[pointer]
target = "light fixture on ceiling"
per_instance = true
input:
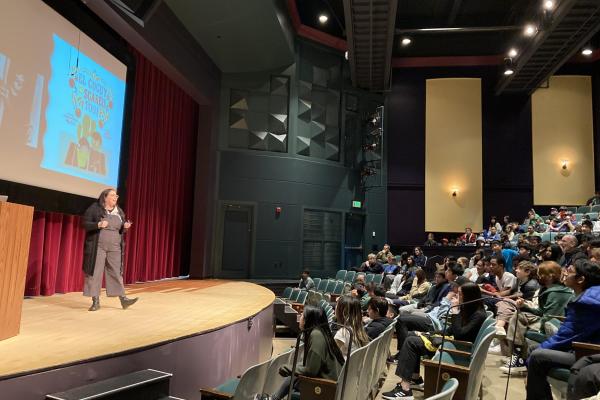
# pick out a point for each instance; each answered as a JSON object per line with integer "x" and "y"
{"x": 512, "y": 53}
{"x": 508, "y": 66}
{"x": 346, "y": 55}
{"x": 323, "y": 18}
{"x": 587, "y": 50}
{"x": 548, "y": 5}
{"x": 530, "y": 30}
{"x": 406, "y": 41}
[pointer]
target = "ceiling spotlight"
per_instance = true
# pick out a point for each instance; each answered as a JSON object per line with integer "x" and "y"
{"x": 406, "y": 41}
{"x": 508, "y": 67}
{"x": 346, "y": 55}
{"x": 512, "y": 53}
{"x": 587, "y": 51}
{"x": 323, "y": 18}
{"x": 548, "y": 5}
{"x": 530, "y": 30}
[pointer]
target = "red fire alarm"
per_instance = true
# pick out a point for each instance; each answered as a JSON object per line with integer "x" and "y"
{"x": 277, "y": 211}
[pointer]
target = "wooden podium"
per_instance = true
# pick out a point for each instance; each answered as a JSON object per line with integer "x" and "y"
{"x": 15, "y": 234}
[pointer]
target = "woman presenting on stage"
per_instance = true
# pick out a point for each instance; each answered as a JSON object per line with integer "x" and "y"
{"x": 105, "y": 224}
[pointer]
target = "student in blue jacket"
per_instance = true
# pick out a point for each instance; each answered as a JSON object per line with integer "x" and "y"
{"x": 581, "y": 324}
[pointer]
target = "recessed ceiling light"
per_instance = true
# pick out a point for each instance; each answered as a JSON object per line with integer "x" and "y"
{"x": 587, "y": 51}
{"x": 323, "y": 18}
{"x": 406, "y": 41}
{"x": 508, "y": 66}
{"x": 548, "y": 5}
{"x": 509, "y": 71}
{"x": 512, "y": 53}
{"x": 530, "y": 30}
{"x": 346, "y": 55}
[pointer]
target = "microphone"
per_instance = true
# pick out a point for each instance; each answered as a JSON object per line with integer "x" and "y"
{"x": 304, "y": 331}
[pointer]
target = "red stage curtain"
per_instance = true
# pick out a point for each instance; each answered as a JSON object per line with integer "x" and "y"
{"x": 160, "y": 188}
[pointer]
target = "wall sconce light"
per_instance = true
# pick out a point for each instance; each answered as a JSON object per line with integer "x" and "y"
{"x": 454, "y": 192}
{"x": 565, "y": 164}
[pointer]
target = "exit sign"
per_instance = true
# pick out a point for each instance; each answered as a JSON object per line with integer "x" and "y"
{"x": 356, "y": 204}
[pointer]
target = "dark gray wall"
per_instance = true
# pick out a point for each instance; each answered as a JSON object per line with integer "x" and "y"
{"x": 295, "y": 182}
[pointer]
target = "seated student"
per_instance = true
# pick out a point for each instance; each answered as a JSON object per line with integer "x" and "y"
{"x": 484, "y": 275}
{"x": 548, "y": 301}
{"x": 322, "y": 357}
{"x": 584, "y": 381}
{"x": 581, "y": 324}
{"x": 390, "y": 270}
{"x": 428, "y": 322}
{"x": 468, "y": 237}
{"x": 507, "y": 254}
{"x": 491, "y": 235}
{"x": 402, "y": 281}
{"x": 306, "y": 281}
{"x": 465, "y": 326}
{"x": 505, "y": 281}
{"x": 383, "y": 255}
{"x": 371, "y": 265}
{"x": 377, "y": 310}
{"x": 348, "y": 313}
{"x": 548, "y": 252}
{"x": 527, "y": 287}
{"x": 373, "y": 290}
{"x": 419, "y": 288}
{"x": 430, "y": 240}
{"x": 419, "y": 257}
{"x": 432, "y": 299}
{"x": 454, "y": 273}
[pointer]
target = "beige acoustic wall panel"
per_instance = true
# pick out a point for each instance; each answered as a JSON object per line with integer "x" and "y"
{"x": 562, "y": 133}
{"x": 453, "y": 155}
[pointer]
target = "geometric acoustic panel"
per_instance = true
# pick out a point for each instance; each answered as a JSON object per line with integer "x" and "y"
{"x": 258, "y": 118}
{"x": 319, "y": 110}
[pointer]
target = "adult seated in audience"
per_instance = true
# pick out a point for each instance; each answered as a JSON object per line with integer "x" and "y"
{"x": 359, "y": 288}
{"x": 468, "y": 237}
{"x": 433, "y": 297}
{"x": 531, "y": 232}
{"x": 558, "y": 224}
{"x": 419, "y": 288}
{"x": 532, "y": 218}
{"x": 581, "y": 324}
{"x": 419, "y": 257}
{"x": 527, "y": 286}
{"x": 391, "y": 266}
{"x": 594, "y": 200}
{"x": 430, "y": 321}
{"x": 484, "y": 275}
{"x": 568, "y": 244}
{"x": 478, "y": 255}
{"x": 377, "y": 312}
{"x": 382, "y": 256}
{"x": 306, "y": 281}
{"x": 373, "y": 290}
{"x": 509, "y": 232}
{"x": 491, "y": 235}
{"x": 371, "y": 265}
{"x": 349, "y": 314}
{"x": 454, "y": 273}
{"x": 465, "y": 326}
{"x": 540, "y": 226}
{"x": 548, "y": 252}
{"x": 507, "y": 254}
{"x": 322, "y": 357}
{"x": 430, "y": 240}
{"x": 494, "y": 223}
{"x": 548, "y": 302}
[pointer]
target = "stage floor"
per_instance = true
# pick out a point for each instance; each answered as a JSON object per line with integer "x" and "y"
{"x": 58, "y": 330}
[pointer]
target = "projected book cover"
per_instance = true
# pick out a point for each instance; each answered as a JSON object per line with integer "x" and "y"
{"x": 83, "y": 117}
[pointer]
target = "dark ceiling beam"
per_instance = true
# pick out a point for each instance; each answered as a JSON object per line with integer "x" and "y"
{"x": 472, "y": 29}
{"x": 370, "y": 34}
{"x": 573, "y": 24}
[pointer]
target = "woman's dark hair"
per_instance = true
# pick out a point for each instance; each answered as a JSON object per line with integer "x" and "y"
{"x": 555, "y": 253}
{"x": 103, "y": 195}
{"x": 378, "y": 304}
{"x": 470, "y": 291}
{"x": 589, "y": 270}
{"x": 420, "y": 274}
{"x": 410, "y": 258}
{"x": 420, "y": 250}
{"x": 315, "y": 318}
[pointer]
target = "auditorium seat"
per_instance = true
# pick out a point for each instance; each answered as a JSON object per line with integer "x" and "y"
{"x": 322, "y": 285}
{"x": 558, "y": 378}
{"x": 466, "y": 367}
{"x": 584, "y": 209}
{"x": 287, "y": 292}
{"x": 447, "y": 392}
{"x": 295, "y": 293}
{"x": 572, "y": 209}
{"x": 273, "y": 380}
{"x": 341, "y": 275}
{"x": 369, "y": 278}
{"x": 316, "y": 282}
{"x": 350, "y": 276}
{"x": 596, "y": 208}
{"x": 377, "y": 279}
{"x": 251, "y": 382}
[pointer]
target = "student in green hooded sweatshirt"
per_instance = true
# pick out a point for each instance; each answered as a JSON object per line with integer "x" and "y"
{"x": 552, "y": 299}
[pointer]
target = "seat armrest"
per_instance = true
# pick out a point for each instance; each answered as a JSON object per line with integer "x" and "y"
{"x": 316, "y": 388}
{"x": 461, "y": 344}
{"x": 585, "y": 349}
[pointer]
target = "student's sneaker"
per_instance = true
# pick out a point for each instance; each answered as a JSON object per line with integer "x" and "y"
{"x": 516, "y": 365}
{"x": 398, "y": 394}
{"x": 500, "y": 332}
{"x": 417, "y": 384}
{"x": 393, "y": 359}
{"x": 495, "y": 348}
